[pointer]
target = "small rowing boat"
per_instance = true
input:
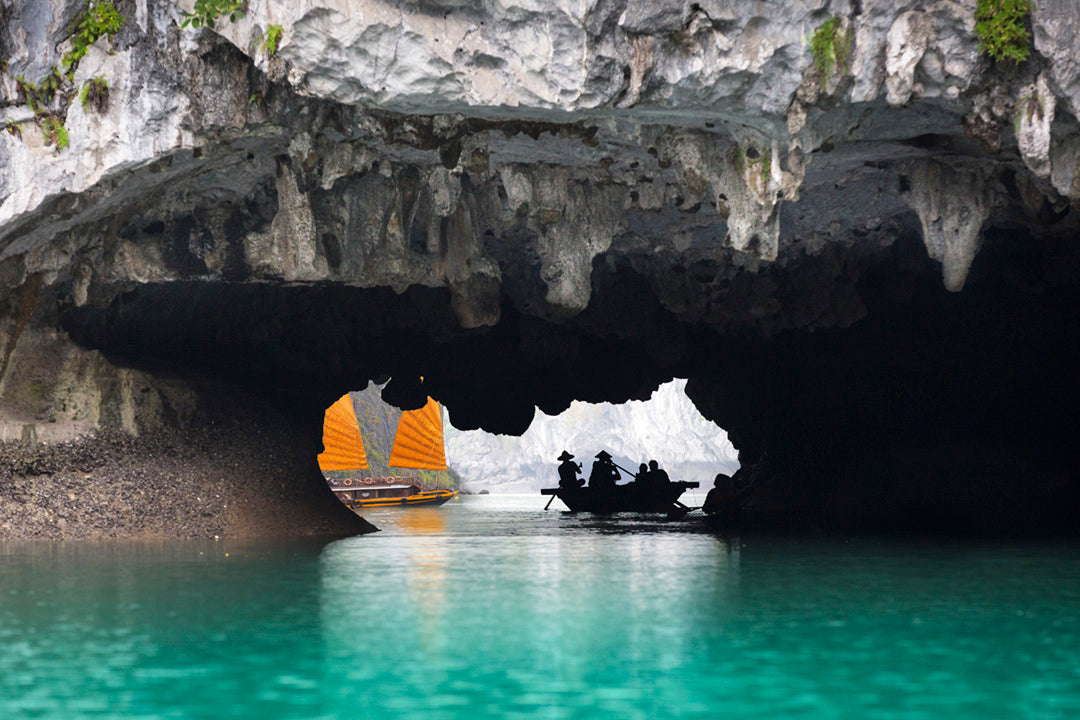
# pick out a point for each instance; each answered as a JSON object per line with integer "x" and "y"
{"x": 631, "y": 497}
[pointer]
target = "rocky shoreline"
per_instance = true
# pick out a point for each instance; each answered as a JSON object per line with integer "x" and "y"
{"x": 165, "y": 486}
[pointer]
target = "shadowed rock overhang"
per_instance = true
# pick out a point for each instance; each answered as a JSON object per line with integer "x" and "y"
{"x": 868, "y": 272}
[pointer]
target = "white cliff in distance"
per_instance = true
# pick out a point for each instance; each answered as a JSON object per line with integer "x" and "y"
{"x": 667, "y": 428}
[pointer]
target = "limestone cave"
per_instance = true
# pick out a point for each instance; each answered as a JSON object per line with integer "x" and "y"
{"x": 869, "y": 275}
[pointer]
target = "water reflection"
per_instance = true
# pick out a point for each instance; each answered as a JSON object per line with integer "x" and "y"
{"x": 567, "y": 619}
{"x": 499, "y": 610}
{"x": 186, "y": 629}
{"x": 576, "y": 616}
{"x": 410, "y": 521}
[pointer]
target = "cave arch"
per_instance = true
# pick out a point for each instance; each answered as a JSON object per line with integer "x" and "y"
{"x": 930, "y": 410}
{"x": 232, "y": 229}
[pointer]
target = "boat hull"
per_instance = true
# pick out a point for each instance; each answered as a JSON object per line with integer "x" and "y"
{"x": 426, "y": 497}
{"x": 622, "y": 498}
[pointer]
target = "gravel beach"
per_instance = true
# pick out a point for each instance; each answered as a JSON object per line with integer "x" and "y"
{"x": 224, "y": 478}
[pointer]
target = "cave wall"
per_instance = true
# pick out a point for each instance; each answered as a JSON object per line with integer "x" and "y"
{"x": 96, "y": 449}
{"x": 218, "y": 463}
{"x": 866, "y": 272}
{"x": 936, "y": 412}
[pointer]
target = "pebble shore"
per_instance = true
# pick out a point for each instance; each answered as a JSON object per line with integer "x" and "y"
{"x": 228, "y": 479}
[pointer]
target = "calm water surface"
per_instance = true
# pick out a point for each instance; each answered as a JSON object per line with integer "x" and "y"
{"x": 490, "y": 607}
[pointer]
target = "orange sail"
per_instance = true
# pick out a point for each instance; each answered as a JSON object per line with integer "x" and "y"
{"x": 343, "y": 446}
{"x": 419, "y": 439}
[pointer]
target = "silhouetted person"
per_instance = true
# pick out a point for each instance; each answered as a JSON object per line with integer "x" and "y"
{"x": 642, "y": 474}
{"x": 657, "y": 476}
{"x": 604, "y": 473}
{"x": 721, "y": 498}
{"x": 568, "y": 471}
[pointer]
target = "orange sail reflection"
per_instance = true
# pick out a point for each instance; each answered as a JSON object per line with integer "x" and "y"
{"x": 421, "y": 521}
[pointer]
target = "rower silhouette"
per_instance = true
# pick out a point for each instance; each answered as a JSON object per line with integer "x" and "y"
{"x": 721, "y": 499}
{"x": 568, "y": 471}
{"x": 603, "y": 475}
{"x": 655, "y": 477}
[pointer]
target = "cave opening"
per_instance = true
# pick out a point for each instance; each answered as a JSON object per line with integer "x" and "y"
{"x": 871, "y": 396}
{"x": 363, "y": 460}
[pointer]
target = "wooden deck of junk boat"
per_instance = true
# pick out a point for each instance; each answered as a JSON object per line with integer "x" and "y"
{"x": 401, "y": 491}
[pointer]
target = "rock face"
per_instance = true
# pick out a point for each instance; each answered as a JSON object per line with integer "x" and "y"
{"x": 234, "y": 468}
{"x": 864, "y": 265}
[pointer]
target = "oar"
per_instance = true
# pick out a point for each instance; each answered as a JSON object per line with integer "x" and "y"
{"x": 550, "y": 501}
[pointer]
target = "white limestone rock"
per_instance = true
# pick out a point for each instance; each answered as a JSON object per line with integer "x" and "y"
{"x": 1055, "y": 27}
{"x": 952, "y": 204}
{"x": 696, "y": 81}
{"x": 908, "y": 39}
{"x": 1034, "y": 118}
{"x": 689, "y": 447}
{"x": 1065, "y": 166}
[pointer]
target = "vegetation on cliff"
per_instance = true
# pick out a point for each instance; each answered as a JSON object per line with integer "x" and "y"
{"x": 1002, "y": 28}
{"x": 94, "y": 21}
{"x": 51, "y": 97}
{"x": 273, "y": 37}
{"x": 95, "y": 94}
{"x": 830, "y": 47}
{"x": 53, "y": 132}
{"x": 206, "y": 12}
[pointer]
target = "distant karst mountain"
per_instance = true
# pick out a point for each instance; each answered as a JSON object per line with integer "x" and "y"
{"x": 667, "y": 428}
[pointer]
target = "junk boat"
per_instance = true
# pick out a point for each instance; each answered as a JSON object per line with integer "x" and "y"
{"x": 630, "y": 497}
{"x": 418, "y": 444}
{"x": 408, "y": 492}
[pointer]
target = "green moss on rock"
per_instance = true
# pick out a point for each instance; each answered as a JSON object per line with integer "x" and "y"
{"x": 830, "y": 48}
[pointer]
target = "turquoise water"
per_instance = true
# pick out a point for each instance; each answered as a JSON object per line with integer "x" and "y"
{"x": 490, "y": 607}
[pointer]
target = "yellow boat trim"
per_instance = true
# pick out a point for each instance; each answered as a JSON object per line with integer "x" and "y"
{"x": 420, "y": 498}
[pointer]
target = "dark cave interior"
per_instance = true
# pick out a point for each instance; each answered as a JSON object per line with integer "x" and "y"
{"x": 935, "y": 411}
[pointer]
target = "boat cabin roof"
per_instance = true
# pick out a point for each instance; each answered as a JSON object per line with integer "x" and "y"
{"x": 371, "y": 487}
